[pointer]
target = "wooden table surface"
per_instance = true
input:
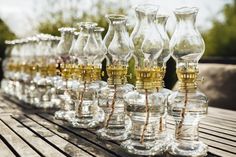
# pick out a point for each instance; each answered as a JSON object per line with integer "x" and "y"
{"x": 29, "y": 132}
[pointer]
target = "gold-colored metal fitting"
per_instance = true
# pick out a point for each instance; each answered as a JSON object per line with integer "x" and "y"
{"x": 10, "y": 66}
{"x": 145, "y": 78}
{"x": 27, "y": 68}
{"x": 52, "y": 70}
{"x": 96, "y": 73}
{"x": 66, "y": 70}
{"x": 17, "y": 67}
{"x": 116, "y": 74}
{"x": 43, "y": 70}
{"x": 159, "y": 76}
{"x": 85, "y": 73}
{"x": 188, "y": 78}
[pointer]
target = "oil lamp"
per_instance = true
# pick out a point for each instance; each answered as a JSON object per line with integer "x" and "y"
{"x": 160, "y": 69}
{"x": 120, "y": 47}
{"x": 88, "y": 56}
{"x": 187, "y": 105}
{"x": 64, "y": 73}
{"x": 145, "y": 104}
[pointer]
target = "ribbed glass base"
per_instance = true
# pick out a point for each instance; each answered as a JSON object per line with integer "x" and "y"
{"x": 185, "y": 148}
{"x": 113, "y": 134}
{"x": 147, "y": 148}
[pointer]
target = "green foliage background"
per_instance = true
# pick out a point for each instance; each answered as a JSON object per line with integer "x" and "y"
{"x": 221, "y": 38}
{"x": 5, "y": 34}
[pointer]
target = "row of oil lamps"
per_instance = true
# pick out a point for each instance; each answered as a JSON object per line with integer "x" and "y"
{"x": 65, "y": 73}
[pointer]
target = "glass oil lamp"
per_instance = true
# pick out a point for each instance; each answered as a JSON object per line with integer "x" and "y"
{"x": 19, "y": 73}
{"x": 32, "y": 70}
{"x": 145, "y": 104}
{"x": 49, "y": 100}
{"x": 116, "y": 123}
{"x": 64, "y": 73}
{"x": 87, "y": 112}
{"x": 52, "y": 71}
{"x": 41, "y": 98}
{"x": 8, "y": 67}
{"x": 6, "y": 83}
{"x": 187, "y": 105}
{"x": 18, "y": 68}
{"x": 160, "y": 69}
{"x": 25, "y": 73}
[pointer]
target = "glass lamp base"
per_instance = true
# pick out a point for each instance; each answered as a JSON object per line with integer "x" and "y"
{"x": 84, "y": 123}
{"x": 166, "y": 138}
{"x": 69, "y": 115}
{"x": 60, "y": 115}
{"x": 147, "y": 149}
{"x": 44, "y": 104}
{"x": 115, "y": 134}
{"x": 193, "y": 149}
{"x": 56, "y": 101}
{"x": 64, "y": 115}
{"x": 48, "y": 104}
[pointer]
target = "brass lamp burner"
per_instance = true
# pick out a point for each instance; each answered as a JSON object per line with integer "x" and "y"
{"x": 160, "y": 74}
{"x": 116, "y": 74}
{"x": 145, "y": 78}
{"x": 187, "y": 78}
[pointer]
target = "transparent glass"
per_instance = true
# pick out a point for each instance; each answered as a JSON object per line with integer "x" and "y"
{"x": 120, "y": 47}
{"x": 64, "y": 74}
{"x": 5, "y": 83}
{"x": 30, "y": 92}
{"x": 187, "y": 109}
{"x": 41, "y": 98}
{"x": 87, "y": 112}
{"x": 145, "y": 105}
{"x": 187, "y": 106}
{"x": 103, "y": 49}
{"x": 145, "y": 109}
{"x": 161, "y": 21}
{"x": 117, "y": 124}
{"x": 186, "y": 45}
{"x": 146, "y": 35}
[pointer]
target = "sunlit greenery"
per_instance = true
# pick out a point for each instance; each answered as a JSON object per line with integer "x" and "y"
{"x": 5, "y": 34}
{"x": 221, "y": 38}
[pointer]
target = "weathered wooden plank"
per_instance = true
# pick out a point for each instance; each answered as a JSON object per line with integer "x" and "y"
{"x": 216, "y": 129}
{"x": 211, "y": 138}
{"x": 222, "y": 123}
{"x": 220, "y": 111}
{"x": 211, "y": 132}
{"x": 222, "y": 118}
{"x": 203, "y": 122}
{"x": 93, "y": 149}
{"x": 4, "y": 150}
{"x": 219, "y": 119}
{"x": 214, "y": 147}
{"x": 219, "y": 152}
{"x": 45, "y": 148}
{"x": 19, "y": 145}
{"x": 109, "y": 146}
{"x": 59, "y": 142}
{"x": 220, "y": 146}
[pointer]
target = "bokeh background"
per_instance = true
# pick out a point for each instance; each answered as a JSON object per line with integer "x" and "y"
{"x": 216, "y": 21}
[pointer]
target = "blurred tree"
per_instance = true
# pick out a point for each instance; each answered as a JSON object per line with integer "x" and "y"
{"x": 70, "y": 15}
{"x": 5, "y": 34}
{"x": 221, "y": 38}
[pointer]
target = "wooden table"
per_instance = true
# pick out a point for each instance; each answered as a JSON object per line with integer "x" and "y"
{"x": 28, "y": 132}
